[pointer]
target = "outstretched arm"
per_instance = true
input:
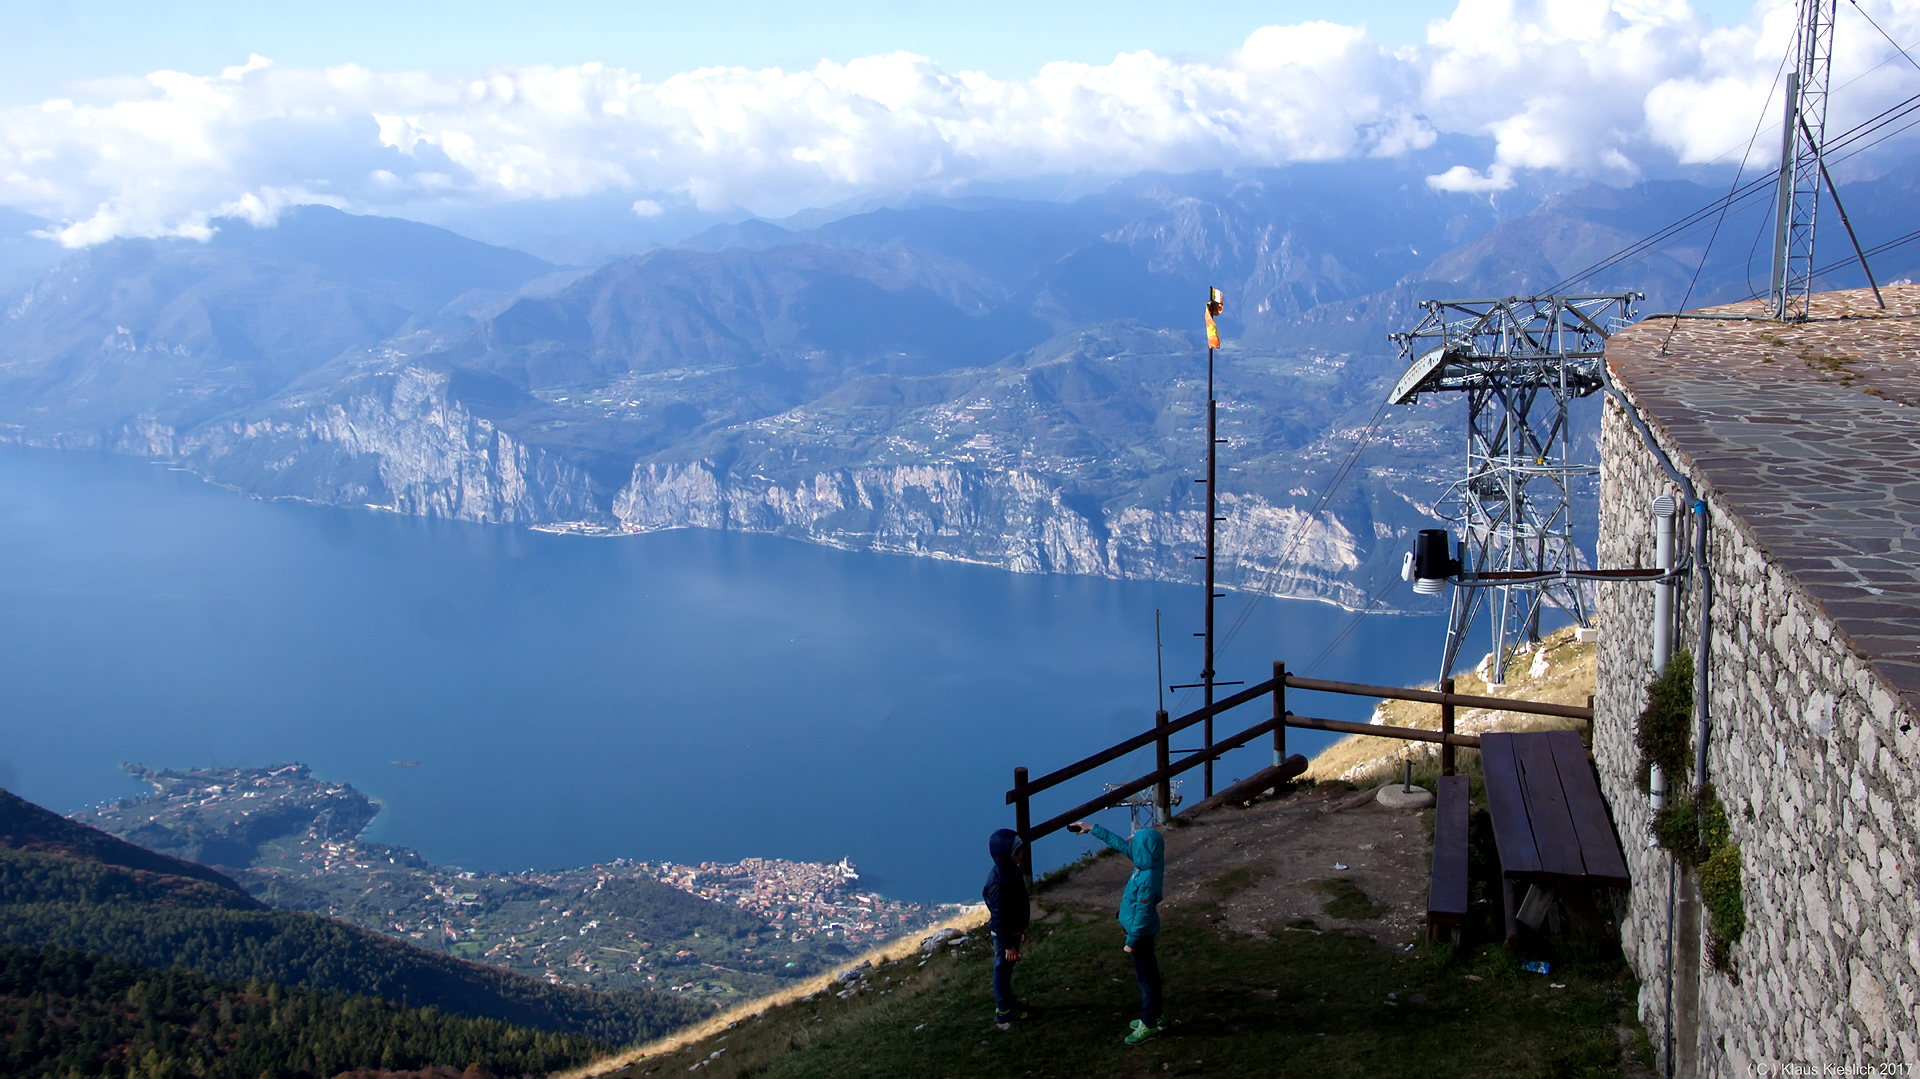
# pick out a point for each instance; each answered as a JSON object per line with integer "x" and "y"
{"x": 1102, "y": 835}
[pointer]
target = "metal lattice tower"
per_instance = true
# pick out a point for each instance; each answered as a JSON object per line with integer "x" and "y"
{"x": 1803, "y": 132}
{"x": 1520, "y": 361}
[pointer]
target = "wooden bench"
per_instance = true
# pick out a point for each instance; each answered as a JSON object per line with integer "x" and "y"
{"x": 1447, "y": 891}
{"x": 1549, "y": 821}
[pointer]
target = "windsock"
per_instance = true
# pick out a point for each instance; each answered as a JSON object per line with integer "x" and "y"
{"x": 1215, "y": 304}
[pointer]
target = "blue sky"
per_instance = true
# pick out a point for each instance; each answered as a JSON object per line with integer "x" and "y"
{"x": 52, "y": 45}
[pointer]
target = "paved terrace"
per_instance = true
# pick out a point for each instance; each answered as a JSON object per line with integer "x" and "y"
{"x": 1812, "y": 432}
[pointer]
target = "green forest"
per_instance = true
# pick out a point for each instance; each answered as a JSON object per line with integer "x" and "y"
{"x": 71, "y": 887}
{"x": 65, "y": 1013}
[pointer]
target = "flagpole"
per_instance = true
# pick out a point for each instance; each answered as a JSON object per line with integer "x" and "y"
{"x": 1214, "y": 307}
{"x": 1206, "y": 667}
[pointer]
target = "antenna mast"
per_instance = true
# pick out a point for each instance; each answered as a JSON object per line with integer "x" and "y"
{"x": 1803, "y": 132}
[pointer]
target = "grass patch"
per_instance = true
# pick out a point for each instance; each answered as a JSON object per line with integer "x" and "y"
{"x": 1347, "y": 902}
{"x": 1238, "y": 879}
{"x": 1324, "y": 1004}
{"x": 1056, "y": 875}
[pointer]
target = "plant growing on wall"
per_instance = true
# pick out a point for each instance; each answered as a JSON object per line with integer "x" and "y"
{"x": 1694, "y": 825}
{"x": 1666, "y": 723}
{"x": 1719, "y": 867}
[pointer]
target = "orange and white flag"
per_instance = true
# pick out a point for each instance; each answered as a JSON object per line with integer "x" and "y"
{"x": 1215, "y": 304}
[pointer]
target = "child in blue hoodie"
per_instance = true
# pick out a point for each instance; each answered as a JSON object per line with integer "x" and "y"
{"x": 1140, "y": 917}
{"x": 1007, "y": 914}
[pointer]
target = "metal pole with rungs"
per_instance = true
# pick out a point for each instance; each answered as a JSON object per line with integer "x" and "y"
{"x": 1162, "y": 759}
{"x": 1214, "y": 307}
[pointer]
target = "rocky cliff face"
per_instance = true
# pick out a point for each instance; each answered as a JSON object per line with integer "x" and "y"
{"x": 1015, "y": 520}
{"x": 388, "y": 441}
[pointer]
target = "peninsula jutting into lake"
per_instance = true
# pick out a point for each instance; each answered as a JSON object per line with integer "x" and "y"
{"x": 717, "y": 931}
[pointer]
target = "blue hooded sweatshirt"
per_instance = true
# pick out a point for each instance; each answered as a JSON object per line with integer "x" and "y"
{"x": 1006, "y": 890}
{"x": 1140, "y": 903}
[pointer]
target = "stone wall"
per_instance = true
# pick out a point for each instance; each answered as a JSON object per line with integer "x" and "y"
{"x": 1814, "y": 755}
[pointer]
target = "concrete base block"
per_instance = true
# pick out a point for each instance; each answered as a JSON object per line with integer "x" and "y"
{"x": 1393, "y": 796}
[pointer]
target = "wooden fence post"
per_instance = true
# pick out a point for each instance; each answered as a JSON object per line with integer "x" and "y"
{"x": 1279, "y": 712}
{"x": 1022, "y": 822}
{"x": 1446, "y": 729}
{"x": 1163, "y": 756}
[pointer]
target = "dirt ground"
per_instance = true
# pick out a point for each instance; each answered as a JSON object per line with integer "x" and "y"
{"x": 1266, "y": 869}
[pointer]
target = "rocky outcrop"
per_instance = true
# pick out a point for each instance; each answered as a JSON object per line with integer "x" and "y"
{"x": 1011, "y": 519}
{"x": 389, "y": 441}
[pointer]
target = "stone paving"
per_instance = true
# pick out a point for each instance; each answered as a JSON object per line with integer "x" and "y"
{"x": 1811, "y": 431}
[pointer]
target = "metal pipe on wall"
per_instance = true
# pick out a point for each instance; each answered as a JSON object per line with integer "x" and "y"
{"x": 1701, "y": 659}
{"x": 1663, "y": 512}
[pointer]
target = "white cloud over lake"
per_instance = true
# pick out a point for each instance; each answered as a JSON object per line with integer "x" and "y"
{"x": 1590, "y": 87}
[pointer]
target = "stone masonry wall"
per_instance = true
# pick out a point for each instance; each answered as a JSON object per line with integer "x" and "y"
{"x": 1815, "y": 757}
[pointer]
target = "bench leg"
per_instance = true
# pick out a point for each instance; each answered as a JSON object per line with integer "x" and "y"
{"x": 1512, "y": 912}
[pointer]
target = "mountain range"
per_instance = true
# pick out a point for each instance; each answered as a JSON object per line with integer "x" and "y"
{"x": 1012, "y": 382}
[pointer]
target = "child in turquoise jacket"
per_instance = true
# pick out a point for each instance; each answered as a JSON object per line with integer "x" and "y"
{"x": 1140, "y": 917}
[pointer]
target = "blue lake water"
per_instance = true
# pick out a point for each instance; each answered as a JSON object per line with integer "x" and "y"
{"x": 684, "y": 696}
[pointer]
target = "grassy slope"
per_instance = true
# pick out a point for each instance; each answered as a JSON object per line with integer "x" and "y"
{"x": 1565, "y": 677}
{"x": 1301, "y": 1001}
{"x": 1316, "y": 1002}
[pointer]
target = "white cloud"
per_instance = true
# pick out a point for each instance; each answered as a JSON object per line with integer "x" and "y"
{"x": 1591, "y": 87}
{"x": 1464, "y": 180}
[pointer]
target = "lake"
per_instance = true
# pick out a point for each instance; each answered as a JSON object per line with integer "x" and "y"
{"x": 682, "y": 696}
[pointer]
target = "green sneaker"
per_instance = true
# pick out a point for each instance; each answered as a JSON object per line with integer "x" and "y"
{"x": 1142, "y": 1032}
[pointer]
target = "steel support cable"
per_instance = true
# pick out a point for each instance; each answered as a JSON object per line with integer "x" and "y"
{"x": 1687, "y": 223}
{"x": 1693, "y": 220}
{"x": 1903, "y": 128}
{"x": 1705, "y": 253}
{"x": 1877, "y": 249}
{"x": 1898, "y": 112}
{"x": 1352, "y": 624}
{"x": 1884, "y": 34}
{"x": 1671, "y": 231}
{"x": 1300, "y": 530}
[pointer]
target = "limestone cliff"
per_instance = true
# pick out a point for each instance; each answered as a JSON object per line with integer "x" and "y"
{"x": 390, "y": 440}
{"x": 1013, "y": 519}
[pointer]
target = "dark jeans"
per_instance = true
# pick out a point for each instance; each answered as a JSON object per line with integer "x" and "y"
{"x": 1146, "y": 971}
{"x": 1003, "y": 998}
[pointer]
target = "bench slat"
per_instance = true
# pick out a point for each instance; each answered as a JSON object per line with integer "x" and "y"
{"x": 1599, "y": 846}
{"x": 1553, "y": 833}
{"x": 1507, "y": 805}
{"x": 1447, "y": 892}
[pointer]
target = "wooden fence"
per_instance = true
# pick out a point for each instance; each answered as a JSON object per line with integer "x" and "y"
{"x": 1161, "y": 777}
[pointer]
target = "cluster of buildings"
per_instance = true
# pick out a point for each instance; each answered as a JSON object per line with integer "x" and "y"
{"x": 801, "y": 899}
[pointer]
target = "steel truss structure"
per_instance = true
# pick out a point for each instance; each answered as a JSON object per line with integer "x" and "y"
{"x": 1803, "y": 133}
{"x": 1520, "y": 361}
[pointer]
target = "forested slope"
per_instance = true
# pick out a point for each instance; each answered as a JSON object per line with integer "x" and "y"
{"x": 51, "y": 895}
{"x": 65, "y": 1013}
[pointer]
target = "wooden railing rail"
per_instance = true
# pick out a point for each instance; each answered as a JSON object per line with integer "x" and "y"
{"x": 1127, "y": 790}
{"x": 1163, "y": 729}
{"x": 1459, "y": 700}
{"x": 1141, "y": 741}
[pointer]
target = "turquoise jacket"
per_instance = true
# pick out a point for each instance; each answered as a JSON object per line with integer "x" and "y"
{"x": 1140, "y": 903}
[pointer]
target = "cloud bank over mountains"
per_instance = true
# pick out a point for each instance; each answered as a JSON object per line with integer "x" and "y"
{"x": 1594, "y": 88}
